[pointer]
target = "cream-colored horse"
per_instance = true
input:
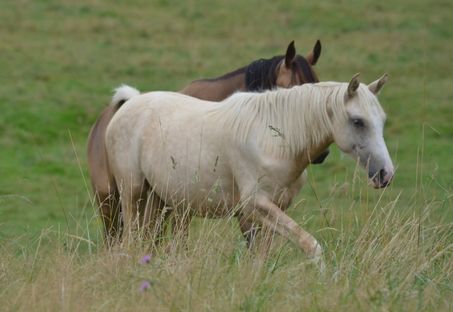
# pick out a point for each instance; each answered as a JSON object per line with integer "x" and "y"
{"x": 242, "y": 156}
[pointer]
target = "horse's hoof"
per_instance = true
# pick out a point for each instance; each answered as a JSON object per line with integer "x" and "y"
{"x": 317, "y": 258}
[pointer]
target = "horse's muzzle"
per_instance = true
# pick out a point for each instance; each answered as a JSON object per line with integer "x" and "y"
{"x": 382, "y": 178}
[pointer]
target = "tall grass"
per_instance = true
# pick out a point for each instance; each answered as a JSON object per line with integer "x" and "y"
{"x": 382, "y": 252}
{"x": 397, "y": 259}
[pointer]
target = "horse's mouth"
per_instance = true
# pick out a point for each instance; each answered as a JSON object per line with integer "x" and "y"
{"x": 379, "y": 185}
{"x": 381, "y": 179}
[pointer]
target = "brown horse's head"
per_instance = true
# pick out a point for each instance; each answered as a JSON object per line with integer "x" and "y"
{"x": 295, "y": 69}
{"x": 284, "y": 71}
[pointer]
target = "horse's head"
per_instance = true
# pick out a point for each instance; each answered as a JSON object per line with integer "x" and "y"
{"x": 295, "y": 69}
{"x": 284, "y": 71}
{"x": 359, "y": 132}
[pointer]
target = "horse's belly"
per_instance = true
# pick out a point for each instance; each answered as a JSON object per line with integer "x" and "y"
{"x": 188, "y": 168}
{"x": 207, "y": 191}
{"x": 200, "y": 199}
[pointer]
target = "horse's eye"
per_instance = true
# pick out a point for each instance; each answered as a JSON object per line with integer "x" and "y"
{"x": 358, "y": 123}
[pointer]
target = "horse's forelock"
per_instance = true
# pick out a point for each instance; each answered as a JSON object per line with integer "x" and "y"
{"x": 304, "y": 70}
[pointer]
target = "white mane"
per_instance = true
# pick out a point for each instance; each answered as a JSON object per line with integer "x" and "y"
{"x": 287, "y": 121}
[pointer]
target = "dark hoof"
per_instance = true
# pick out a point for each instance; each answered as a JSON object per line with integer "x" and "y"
{"x": 321, "y": 157}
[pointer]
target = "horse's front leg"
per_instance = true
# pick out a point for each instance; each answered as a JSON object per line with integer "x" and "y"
{"x": 270, "y": 215}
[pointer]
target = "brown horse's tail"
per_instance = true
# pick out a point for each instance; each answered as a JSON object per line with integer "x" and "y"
{"x": 122, "y": 94}
{"x": 103, "y": 182}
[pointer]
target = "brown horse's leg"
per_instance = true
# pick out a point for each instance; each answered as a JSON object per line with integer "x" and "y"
{"x": 102, "y": 181}
{"x": 110, "y": 213}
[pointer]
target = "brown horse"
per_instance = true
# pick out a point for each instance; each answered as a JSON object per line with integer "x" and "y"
{"x": 282, "y": 71}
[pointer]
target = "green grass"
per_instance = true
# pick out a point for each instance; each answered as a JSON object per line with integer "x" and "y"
{"x": 59, "y": 61}
{"x": 390, "y": 264}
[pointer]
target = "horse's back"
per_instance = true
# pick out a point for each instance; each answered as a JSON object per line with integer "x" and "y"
{"x": 151, "y": 120}
{"x": 151, "y": 106}
{"x": 211, "y": 90}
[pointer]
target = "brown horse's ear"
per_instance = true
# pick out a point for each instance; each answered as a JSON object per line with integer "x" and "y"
{"x": 313, "y": 56}
{"x": 353, "y": 86}
{"x": 290, "y": 54}
{"x": 377, "y": 85}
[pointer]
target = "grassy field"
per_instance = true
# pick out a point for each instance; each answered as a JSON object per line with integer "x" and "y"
{"x": 385, "y": 250}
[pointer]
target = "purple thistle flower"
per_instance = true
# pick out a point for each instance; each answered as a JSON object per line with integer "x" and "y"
{"x": 144, "y": 286}
{"x": 146, "y": 259}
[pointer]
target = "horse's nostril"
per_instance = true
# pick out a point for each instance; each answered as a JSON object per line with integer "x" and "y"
{"x": 380, "y": 178}
{"x": 382, "y": 174}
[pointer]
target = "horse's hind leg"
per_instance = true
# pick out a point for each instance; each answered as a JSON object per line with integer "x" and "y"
{"x": 258, "y": 239}
{"x": 109, "y": 206}
{"x": 154, "y": 215}
{"x": 142, "y": 211}
{"x": 249, "y": 230}
{"x": 133, "y": 202}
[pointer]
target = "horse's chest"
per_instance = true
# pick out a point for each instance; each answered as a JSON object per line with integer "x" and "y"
{"x": 281, "y": 180}
{"x": 281, "y": 172}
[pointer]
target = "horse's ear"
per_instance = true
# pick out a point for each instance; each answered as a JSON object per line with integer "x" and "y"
{"x": 377, "y": 85}
{"x": 353, "y": 86}
{"x": 290, "y": 54}
{"x": 313, "y": 56}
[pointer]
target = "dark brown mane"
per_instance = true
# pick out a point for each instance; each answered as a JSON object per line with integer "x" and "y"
{"x": 262, "y": 74}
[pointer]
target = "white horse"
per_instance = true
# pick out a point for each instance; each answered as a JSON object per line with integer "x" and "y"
{"x": 242, "y": 156}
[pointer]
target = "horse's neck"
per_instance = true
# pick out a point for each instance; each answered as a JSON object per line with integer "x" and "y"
{"x": 309, "y": 154}
{"x": 294, "y": 129}
{"x": 216, "y": 89}
{"x": 226, "y": 87}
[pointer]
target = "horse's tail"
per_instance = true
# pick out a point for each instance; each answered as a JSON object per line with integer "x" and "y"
{"x": 122, "y": 94}
{"x": 102, "y": 180}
